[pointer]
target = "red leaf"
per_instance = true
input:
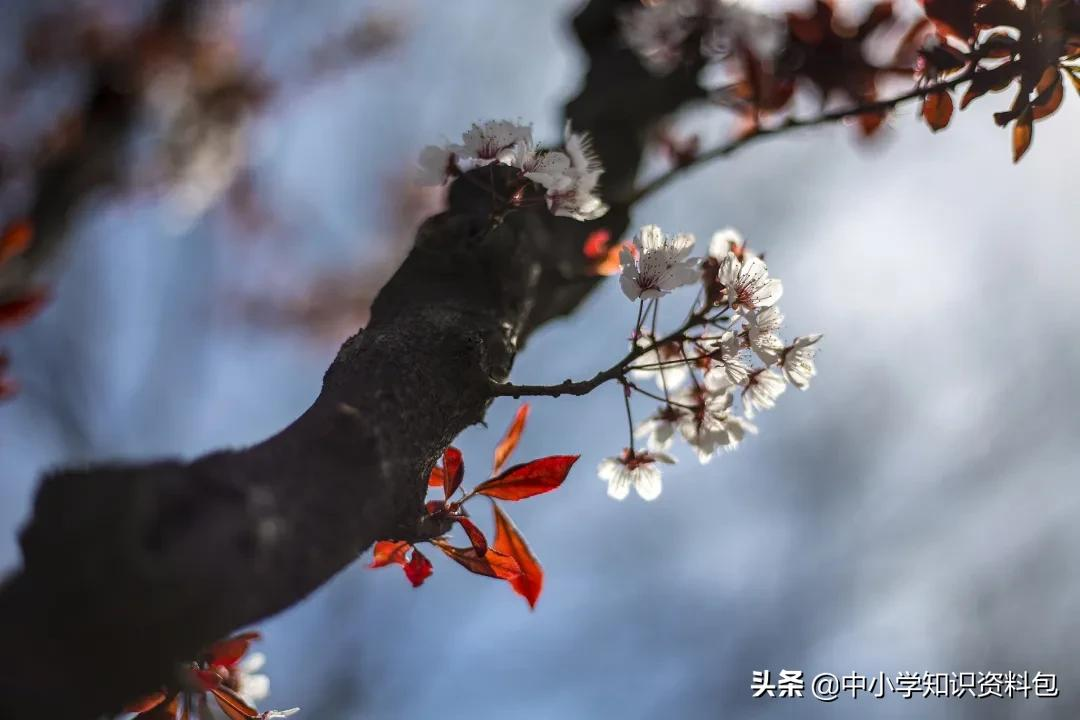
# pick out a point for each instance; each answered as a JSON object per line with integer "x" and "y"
{"x": 389, "y": 552}
{"x": 1022, "y": 134}
{"x": 1051, "y": 91}
{"x": 510, "y": 439}
{"x": 476, "y": 537}
{"x": 938, "y": 110}
{"x": 492, "y": 563}
{"x": 418, "y": 569}
{"x": 234, "y": 706}
{"x": 206, "y": 680}
{"x": 436, "y": 479}
{"x": 453, "y": 471}
{"x": 15, "y": 239}
{"x": 533, "y": 478}
{"x": 985, "y": 81}
{"x": 952, "y": 17}
{"x": 609, "y": 263}
{"x": 871, "y": 122}
{"x": 509, "y": 541}
{"x": 17, "y": 311}
{"x": 596, "y": 244}
{"x": 229, "y": 651}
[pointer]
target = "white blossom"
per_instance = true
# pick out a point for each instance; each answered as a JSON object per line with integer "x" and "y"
{"x": 660, "y": 428}
{"x": 574, "y": 196}
{"x": 708, "y": 424}
{"x": 761, "y": 391}
{"x": 797, "y": 362}
{"x": 658, "y": 31}
{"x": 728, "y": 240}
{"x": 761, "y": 333}
{"x": 747, "y": 283}
{"x": 664, "y": 363}
{"x": 570, "y": 177}
{"x": 251, "y": 685}
{"x": 495, "y": 141}
{"x": 633, "y": 469}
{"x": 574, "y": 192}
{"x": 729, "y": 364}
{"x": 658, "y": 264}
{"x": 578, "y": 146}
{"x": 546, "y": 167}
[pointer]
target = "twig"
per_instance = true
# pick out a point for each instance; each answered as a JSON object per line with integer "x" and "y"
{"x": 793, "y": 123}
{"x": 584, "y": 387}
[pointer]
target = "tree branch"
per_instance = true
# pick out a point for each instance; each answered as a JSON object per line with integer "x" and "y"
{"x": 794, "y": 123}
{"x": 615, "y": 372}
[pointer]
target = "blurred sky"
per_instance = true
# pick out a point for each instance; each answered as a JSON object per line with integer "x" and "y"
{"x": 914, "y": 510}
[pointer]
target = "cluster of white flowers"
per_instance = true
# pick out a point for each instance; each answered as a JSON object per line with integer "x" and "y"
{"x": 656, "y": 264}
{"x": 732, "y": 352}
{"x": 658, "y": 31}
{"x": 250, "y": 684}
{"x": 570, "y": 177}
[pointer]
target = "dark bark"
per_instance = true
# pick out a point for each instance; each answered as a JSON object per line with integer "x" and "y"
{"x": 129, "y": 569}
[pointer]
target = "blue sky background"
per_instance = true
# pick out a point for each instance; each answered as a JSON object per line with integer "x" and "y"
{"x": 914, "y": 510}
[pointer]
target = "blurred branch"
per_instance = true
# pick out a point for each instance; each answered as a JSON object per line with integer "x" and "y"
{"x": 130, "y": 569}
{"x": 794, "y": 123}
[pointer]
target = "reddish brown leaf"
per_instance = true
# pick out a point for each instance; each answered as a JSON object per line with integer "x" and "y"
{"x": 389, "y": 552}
{"x": 1051, "y": 91}
{"x": 15, "y": 239}
{"x": 532, "y": 478}
{"x": 509, "y": 541}
{"x": 998, "y": 45}
{"x": 476, "y": 537}
{"x": 985, "y": 81}
{"x": 1022, "y": 134}
{"x": 871, "y": 122}
{"x": 17, "y": 311}
{"x": 952, "y": 17}
{"x": 938, "y": 109}
{"x": 491, "y": 564}
{"x": 229, "y": 651}
{"x": 511, "y": 438}
{"x": 234, "y": 706}
{"x": 610, "y": 263}
{"x": 418, "y": 569}
{"x": 207, "y": 680}
{"x": 998, "y": 13}
{"x": 596, "y": 244}
{"x": 437, "y": 477}
{"x": 453, "y": 471}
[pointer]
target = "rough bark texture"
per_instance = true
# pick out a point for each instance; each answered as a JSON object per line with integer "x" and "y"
{"x": 129, "y": 569}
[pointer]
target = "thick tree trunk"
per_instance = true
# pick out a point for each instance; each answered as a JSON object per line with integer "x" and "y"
{"x": 129, "y": 569}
